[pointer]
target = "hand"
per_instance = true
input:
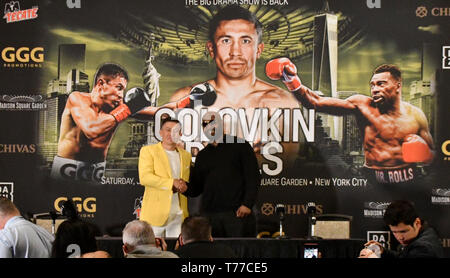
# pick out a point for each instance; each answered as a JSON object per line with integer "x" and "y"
{"x": 415, "y": 149}
{"x": 161, "y": 243}
{"x": 284, "y": 69}
{"x": 179, "y": 185}
{"x": 135, "y": 100}
{"x": 203, "y": 94}
{"x": 243, "y": 211}
{"x": 367, "y": 253}
{"x": 179, "y": 243}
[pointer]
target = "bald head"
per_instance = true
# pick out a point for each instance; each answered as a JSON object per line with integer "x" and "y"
{"x": 7, "y": 211}
{"x": 137, "y": 233}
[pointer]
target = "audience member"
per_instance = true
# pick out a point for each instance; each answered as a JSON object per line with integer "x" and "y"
{"x": 139, "y": 242}
{"x": 96, "y": 255}
{"x": 417, "y": 239}
{"x": 19, "y": 238}
{"x": 74, "y": 239}
{"x": 196, "y": 241}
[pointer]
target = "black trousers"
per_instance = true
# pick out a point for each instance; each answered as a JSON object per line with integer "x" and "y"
{"x": 226, "y": 224}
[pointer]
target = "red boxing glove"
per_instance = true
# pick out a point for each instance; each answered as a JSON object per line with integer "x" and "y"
{"x": 284, "y": 69}
{"x": 121, "y": 112}
{"x": 415, "y": 149}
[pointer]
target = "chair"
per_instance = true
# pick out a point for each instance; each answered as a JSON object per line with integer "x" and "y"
{"x": 332, "y": 226}
{"x": 45, "y": 220}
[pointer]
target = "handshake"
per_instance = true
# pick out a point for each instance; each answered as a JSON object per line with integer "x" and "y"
{"x": 179, "y": 185}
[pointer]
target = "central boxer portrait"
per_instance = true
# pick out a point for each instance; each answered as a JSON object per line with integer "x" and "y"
{"x": 395, "y": 133}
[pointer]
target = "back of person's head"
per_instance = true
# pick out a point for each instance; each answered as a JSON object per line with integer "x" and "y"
{"x": 110, "y": 71}
{"x": 233, "y": 12}
{"x": 400, "y": 211}
{"x": 69, "y": 210}
{"x": 138, "y": 233}
{"x": 196, "y": 228}
{"x": 73, "y": 231}
{"x": 7, "y": 207}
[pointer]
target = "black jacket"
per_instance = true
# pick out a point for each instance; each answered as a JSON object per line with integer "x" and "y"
{"x": 227, "y": 175}
{"x": 426, "y": 245}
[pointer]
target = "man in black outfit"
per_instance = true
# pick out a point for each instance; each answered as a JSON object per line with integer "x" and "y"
{"x": 196, "y": 241}
{"x": 226, "y": 172}
{"x": 416, "y": 238}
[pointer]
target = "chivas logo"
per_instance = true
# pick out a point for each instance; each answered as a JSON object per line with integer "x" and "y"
{"x": 17, "y": 148}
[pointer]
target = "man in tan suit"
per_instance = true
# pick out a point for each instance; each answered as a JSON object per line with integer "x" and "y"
{"x": 164, "y": 170}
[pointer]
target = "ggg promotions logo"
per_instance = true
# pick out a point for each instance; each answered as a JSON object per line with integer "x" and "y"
{"x": 383, "y": 237}
{"x": 375, "y": 209}
{"x": 14, "y": 14}
{"x": 85, "y": 207}
{"x": 7, "y": 190}
{"x": 446, "y": 150}
{"x": 22, "y": 57}
{"x": 440, "y": 196}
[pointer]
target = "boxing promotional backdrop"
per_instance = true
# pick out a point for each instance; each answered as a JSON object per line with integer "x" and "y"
{"x": 53, "y": 48}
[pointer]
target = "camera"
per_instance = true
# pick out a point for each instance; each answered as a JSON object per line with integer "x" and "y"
{"x": 311, "y": 251}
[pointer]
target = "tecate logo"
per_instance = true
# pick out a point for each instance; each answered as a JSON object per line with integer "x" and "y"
{"x": 13, "y": 13}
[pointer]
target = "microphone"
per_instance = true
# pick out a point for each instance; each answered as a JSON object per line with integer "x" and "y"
{"x": 311, "y": 208}
{"x": 53, "y": 216}
{"x": 280, "y": 210}
{"x": 311, "y": 211}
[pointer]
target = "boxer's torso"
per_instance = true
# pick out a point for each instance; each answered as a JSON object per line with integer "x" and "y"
{"x": 384, "y": 133}
{"x": 73, "y": 143}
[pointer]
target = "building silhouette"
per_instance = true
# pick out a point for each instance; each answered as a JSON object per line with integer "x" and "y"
{"x": 71, "y": 64}
{"x": 325, "y": 55}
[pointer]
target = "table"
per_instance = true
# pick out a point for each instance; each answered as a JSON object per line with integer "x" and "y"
{"x": 261, "y": 247}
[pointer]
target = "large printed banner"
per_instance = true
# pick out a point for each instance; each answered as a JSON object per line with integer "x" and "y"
{"x": 347, "y": 135}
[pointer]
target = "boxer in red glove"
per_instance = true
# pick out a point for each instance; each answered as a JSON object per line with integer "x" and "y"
{"x": 88, "y": 123}
{"x": 395, "y": 133}
{"x": 235, "y": 44}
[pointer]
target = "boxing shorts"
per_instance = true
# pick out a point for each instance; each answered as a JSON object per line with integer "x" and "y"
{"x": 64, "y": 168}
{"x": 404, "y": 175}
